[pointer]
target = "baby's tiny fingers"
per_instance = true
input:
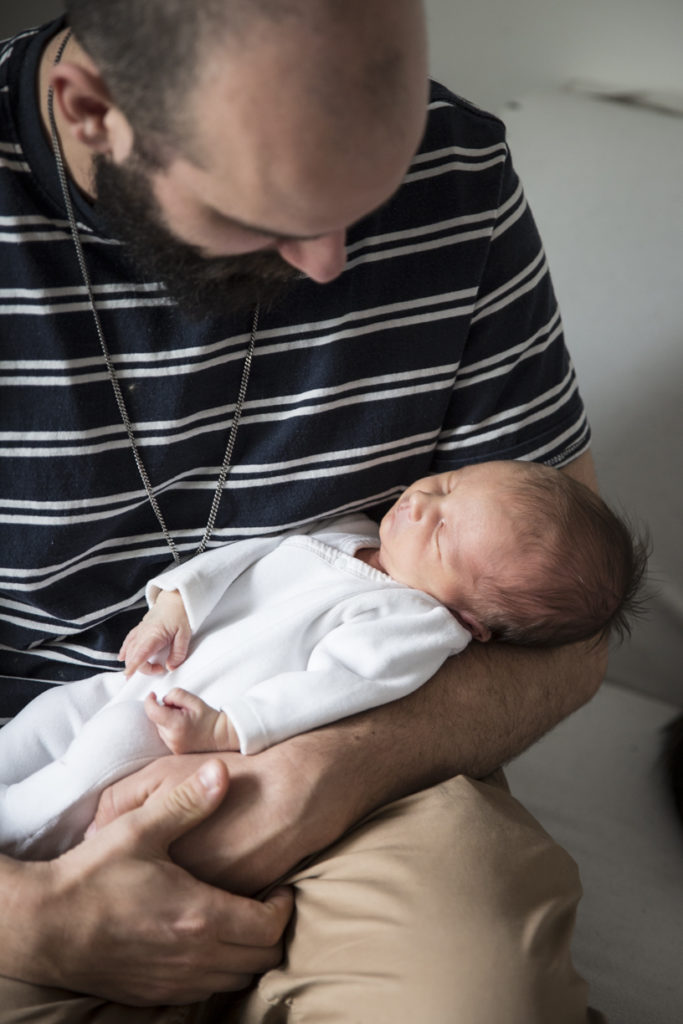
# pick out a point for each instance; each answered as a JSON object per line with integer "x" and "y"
{"x": 169, "y": 721}
{"x": 150, "y": 668}
{"x": 128, "y": 641}
{"x": 136, "y": 661}
{"x": 156, "y": 712}
{"x": 179, "y": 648}
{"x": 179, "y": 698}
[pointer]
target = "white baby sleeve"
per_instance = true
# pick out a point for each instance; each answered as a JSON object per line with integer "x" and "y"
{"x": 204, "y": 579}
{"x": 383, "y": 652}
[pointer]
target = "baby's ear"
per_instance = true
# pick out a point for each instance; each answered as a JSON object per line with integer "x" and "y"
{"x": 479, "y": 631}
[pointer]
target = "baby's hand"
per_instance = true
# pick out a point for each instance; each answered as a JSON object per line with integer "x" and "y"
{"x": 188, "y": 725}
{"x": 164, "y": 626}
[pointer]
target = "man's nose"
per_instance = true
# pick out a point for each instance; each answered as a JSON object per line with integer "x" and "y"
{"x": 322, "y": 259}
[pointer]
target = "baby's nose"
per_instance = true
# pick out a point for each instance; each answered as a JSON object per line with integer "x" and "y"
{"x": 417, "y": 505}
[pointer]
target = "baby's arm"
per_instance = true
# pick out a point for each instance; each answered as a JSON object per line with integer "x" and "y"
{"x": 164, "y": 626}
{"x": 187, "y": 725}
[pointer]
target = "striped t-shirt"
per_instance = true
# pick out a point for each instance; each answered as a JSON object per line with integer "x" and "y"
{"x": 439, "y": 345}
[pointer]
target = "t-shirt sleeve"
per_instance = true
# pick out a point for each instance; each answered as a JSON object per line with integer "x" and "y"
{"x": 515, "y": 394}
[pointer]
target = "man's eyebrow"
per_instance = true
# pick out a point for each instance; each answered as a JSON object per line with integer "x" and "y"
{"x": 257, "y": 229}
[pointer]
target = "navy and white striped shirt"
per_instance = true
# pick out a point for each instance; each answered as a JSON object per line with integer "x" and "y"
{"x": 440, "y": 345}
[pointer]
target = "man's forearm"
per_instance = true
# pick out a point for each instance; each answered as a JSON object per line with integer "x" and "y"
{"x": 483, "y": 708}
{"x": 487, "y": 705}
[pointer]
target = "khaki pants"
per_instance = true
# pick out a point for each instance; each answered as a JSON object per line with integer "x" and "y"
{"x": 448, "y": 907}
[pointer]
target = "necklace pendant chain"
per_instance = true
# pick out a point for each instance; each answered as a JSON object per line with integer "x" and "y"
{"x": 111, "y": 370}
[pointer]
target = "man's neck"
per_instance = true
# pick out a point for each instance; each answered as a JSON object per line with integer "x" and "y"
{"x": 77, "y": 157}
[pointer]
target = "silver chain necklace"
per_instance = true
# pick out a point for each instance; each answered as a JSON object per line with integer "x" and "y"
{"x": 246, "y": 369}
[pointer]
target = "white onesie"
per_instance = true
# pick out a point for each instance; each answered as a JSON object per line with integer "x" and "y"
{"x": 289, "y": 633}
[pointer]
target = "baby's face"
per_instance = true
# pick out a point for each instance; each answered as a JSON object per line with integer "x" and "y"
{"x": 446, "y": 531}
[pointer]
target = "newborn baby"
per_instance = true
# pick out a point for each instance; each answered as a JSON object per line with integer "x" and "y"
{"x": 271, "y": 636}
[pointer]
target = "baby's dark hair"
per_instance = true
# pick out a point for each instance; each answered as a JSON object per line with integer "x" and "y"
{"x": 581, "y": 565}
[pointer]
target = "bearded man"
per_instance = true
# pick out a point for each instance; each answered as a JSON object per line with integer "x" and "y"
{"x": 258, "y": 273}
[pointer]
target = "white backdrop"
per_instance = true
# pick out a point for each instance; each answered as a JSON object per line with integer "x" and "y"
{"x": 494, "y": 50}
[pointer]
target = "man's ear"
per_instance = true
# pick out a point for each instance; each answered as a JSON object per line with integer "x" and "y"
{"x": 479, "y": 631}
{"x": 92, "y": 118}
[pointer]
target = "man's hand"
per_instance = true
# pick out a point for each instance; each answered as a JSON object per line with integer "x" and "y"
{"x": 114, "y": 917}
{"x": 165, "y": 627}
{"x": 284, "y": 804}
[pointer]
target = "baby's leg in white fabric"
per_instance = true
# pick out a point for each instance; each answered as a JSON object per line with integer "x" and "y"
{"x": 48, "y": 812}
{"x": 46, "y": 727}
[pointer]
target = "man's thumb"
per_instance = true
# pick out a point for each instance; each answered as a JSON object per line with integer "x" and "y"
{"x": 167, "y": 816}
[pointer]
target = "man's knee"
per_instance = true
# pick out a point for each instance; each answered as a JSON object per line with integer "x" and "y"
{"x": 452, "y": 905}
{"x": 22, "y": 1003}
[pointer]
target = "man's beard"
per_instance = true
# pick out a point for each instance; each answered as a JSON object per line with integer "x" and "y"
{"x": 202, "y": 286}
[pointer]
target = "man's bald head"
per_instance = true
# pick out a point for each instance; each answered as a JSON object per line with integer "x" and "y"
{"x": 338, "y": 55}
{"x": 244, "y": 127}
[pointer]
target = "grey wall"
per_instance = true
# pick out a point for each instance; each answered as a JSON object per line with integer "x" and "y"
{"x": 495, "y": 50}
